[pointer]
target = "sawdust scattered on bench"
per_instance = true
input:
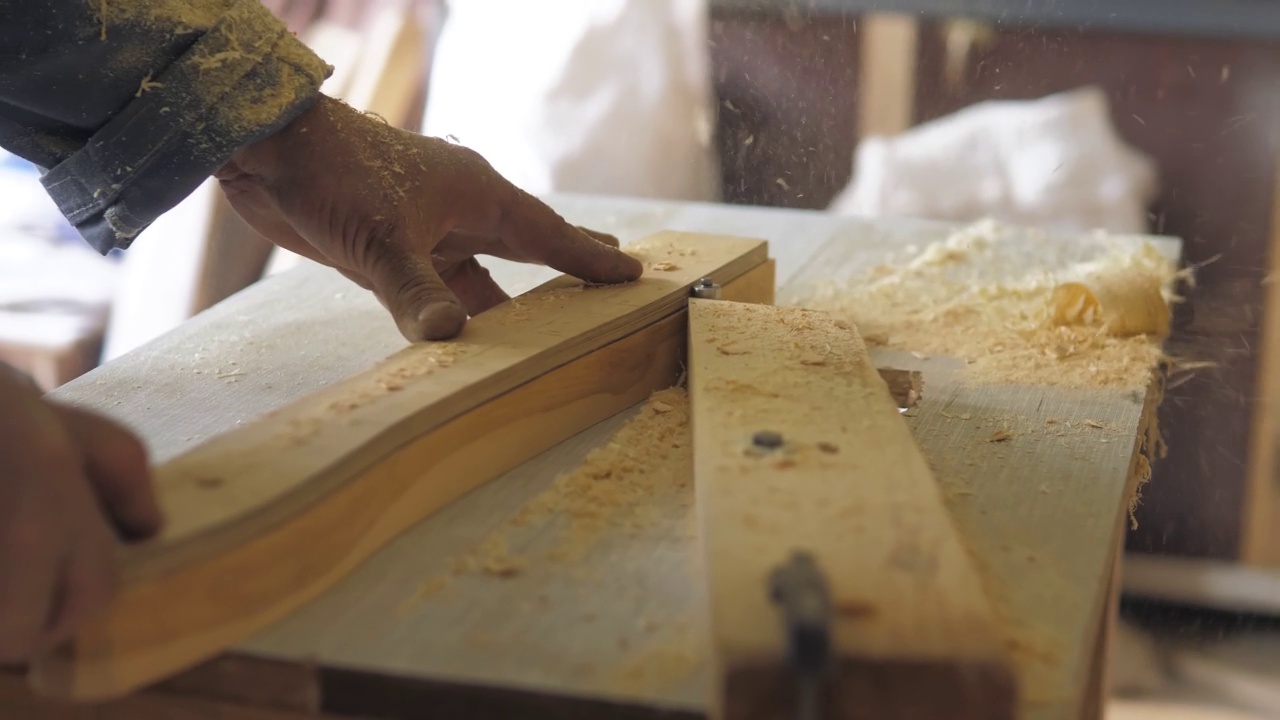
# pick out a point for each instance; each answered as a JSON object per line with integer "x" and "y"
{"x": 613, "y": 488}
{"x": 1096, "y": 319}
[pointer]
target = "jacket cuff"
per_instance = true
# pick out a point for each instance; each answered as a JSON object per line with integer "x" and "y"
{"x": 243, "y": 80}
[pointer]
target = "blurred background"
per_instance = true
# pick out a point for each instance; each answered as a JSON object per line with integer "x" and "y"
{"x": 1131, "y": 116}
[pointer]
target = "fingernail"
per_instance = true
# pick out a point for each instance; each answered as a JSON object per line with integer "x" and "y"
{"x": 441, "y": 321}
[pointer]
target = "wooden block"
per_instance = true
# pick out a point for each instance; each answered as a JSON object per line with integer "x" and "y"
{"x": 914, "y": 634}
{"x": 267, "y": 517}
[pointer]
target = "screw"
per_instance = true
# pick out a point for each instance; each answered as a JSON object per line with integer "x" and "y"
{"x": 767, "y": 439}
{"x": 707, "y": 289}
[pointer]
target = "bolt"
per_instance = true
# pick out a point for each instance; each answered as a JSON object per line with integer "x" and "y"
{"x": 767, "y": 439}
{"x": 707, "y": 289}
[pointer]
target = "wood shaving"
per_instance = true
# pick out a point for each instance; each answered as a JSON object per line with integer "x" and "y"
{"x": 1094, "y": 424}
{"x": 970, "y": 296}
{"x": 1000, "y": 436}
{"x": 491, "y": 557}
{"x": 664, "y": 266}
{"x": 428, "y": 589}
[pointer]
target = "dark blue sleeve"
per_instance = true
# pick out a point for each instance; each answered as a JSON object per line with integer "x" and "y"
{"x": 129, "y": 105}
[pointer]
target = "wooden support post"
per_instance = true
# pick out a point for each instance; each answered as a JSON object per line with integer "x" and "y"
{"x": 798, "y": 445}
{"x": 1260, "y": 529}
{"x": 887, "y": 78}
{"x": 265, "y": 518}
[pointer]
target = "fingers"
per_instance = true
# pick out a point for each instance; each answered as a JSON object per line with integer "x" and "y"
{"x": 416, "y": 296}
{"x": 29, "y": 566}
{"x": 475, "y": 287}
{"x": 116, "y": 463}
{"x": 86, "y": 585}
{"x": 603, "y": 237}
{"x": 539, "y": 233}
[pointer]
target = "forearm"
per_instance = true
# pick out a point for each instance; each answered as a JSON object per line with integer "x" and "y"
{"x": 129, "y": 106}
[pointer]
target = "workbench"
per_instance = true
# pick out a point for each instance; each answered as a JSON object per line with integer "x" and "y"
{"x": 614, "y": 631}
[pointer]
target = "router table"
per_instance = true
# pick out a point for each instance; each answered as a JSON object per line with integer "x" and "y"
{"x": 615, "y": 633}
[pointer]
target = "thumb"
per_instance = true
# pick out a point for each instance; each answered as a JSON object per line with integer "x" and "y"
{"x": 411, "y": 289}
{"x": 116, "y": 462}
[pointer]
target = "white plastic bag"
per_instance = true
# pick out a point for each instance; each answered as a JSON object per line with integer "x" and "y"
{"x": 590, "y": 96}
{"x": 1055, "y": 162}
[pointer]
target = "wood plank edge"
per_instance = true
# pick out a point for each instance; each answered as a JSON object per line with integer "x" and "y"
{"x": 18, "y": 702}
{"x": 1147, "y": 447}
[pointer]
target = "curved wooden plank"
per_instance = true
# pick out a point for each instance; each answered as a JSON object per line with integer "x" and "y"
{"x": 265, "y": 518}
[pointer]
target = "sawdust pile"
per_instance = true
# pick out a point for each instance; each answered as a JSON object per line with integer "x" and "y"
{"x": 1096, "y": 318}
{"x": 614, "y": 487}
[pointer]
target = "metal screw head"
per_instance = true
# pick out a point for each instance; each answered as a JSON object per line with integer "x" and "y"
{"x": 767, "y": 439}
{"x": 706, "y": 288}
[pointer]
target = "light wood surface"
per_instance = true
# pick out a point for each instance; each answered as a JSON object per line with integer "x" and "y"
{"x": 1260, "y": 534}
{"x": 887, "y": 77}
{"x": 607, "y": 636}
{"x": 913, "y": 632}
{"x": 289, "y": 504}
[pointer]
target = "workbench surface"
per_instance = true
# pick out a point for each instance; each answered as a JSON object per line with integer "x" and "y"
{"x": 617, "y": 631}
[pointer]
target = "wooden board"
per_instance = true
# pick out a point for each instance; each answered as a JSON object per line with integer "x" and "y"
{"x": 290, "y": 504}
{"x": 608, "y": 635}
{"x": 914, "y": 634}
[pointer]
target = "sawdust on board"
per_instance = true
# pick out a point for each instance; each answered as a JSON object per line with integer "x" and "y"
{"x": 675, "y": 650}
{"x": 613, "y": 488}
{"x": 1104, "y": 330}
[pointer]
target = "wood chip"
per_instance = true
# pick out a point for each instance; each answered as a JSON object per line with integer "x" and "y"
{"x": 829, "y": 448}
{"x": 813, "y": 359}
{"x": 1000, "y": 436}
{"x": 1095, "y": 424}
{"x": 661, "y": 407}
{"x": 665, "y": 266}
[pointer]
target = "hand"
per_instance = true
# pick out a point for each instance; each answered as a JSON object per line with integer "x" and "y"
{"x": 405, "y": 215}
{"x": 69, "y": 482}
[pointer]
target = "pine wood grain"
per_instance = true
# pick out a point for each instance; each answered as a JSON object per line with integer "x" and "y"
{"x": 266, "y": 517}
{"x": 915, "y": 635}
